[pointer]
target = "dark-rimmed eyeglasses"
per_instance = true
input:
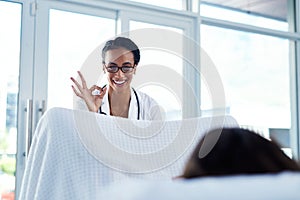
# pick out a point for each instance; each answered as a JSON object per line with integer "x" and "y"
{"x": 115, "y": 69}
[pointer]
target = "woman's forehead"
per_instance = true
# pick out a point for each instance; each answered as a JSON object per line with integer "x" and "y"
{"x": 119, "y": 55}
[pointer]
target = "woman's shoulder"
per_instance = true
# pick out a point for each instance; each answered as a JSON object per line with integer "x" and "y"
{"x": 150, "y": 109}
{"x": 145, "y": 97}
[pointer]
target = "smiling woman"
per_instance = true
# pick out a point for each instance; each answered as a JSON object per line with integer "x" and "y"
{"x": 120, "y": 58}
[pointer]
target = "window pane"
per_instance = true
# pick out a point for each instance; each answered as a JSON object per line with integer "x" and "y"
{"x": 242, "y": 14}
{"x": 255, "y": 73}
{"x": 72, "y": 37}
{"x": 10, "y": 24}
{"x": 153, "y": 56}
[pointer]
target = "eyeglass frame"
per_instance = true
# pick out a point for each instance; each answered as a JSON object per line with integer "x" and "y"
{"x": 119, "y": 68}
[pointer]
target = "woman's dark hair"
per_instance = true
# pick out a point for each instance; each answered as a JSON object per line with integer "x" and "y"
{"x": 237, "y": 151}
{"x": 122, "y": 42}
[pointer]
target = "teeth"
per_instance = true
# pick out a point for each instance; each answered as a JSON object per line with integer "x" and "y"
{"x": 119, "y": 82}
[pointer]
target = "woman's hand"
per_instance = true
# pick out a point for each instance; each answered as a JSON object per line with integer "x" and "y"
{"x": 93, "y": 100}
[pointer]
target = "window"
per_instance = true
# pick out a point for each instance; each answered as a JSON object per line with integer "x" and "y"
{"x": 10, "y": 23}
{"x": 254, "y": 69}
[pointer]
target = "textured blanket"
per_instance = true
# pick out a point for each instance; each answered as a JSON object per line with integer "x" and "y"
{"x": 74, "y": 154}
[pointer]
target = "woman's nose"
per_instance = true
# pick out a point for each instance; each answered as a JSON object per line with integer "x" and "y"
{"x": 119, "y": 73}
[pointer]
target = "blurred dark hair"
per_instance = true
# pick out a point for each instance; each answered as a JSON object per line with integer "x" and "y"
{"x": 238, "y": 151}
{"x": 122, "y": 42}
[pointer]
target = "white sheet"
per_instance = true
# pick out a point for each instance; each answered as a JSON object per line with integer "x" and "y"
{"x": 75, "y": 153}
{"x": 282, "y": 186}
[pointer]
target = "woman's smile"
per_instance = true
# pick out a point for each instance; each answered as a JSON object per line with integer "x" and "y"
{"x": 119, "y": 82}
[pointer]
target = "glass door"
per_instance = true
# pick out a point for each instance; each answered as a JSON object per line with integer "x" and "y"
{"x": 167, "y": 63}
{"x": 168, "y": 70}
{"x": 72, "y": 38}
{"x": 57, "y": 38}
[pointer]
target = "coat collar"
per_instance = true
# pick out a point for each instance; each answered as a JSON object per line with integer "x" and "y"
{"x": 133, "y": 106}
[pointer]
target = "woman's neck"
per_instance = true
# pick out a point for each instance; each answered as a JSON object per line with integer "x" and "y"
{"x": 119, "y": 102}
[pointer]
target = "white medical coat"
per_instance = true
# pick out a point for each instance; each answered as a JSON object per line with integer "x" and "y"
{"x": 149, "y": 108}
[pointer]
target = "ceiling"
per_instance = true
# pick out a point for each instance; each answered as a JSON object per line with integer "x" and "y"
{"x": 276, "y": 9}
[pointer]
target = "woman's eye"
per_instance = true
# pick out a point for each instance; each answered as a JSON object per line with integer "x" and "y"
{"x": 127, "y": 69}
{"x": 113, "y": 68}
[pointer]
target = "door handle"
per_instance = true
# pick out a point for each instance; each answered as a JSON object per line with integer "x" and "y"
{"x": 43, "y": 108}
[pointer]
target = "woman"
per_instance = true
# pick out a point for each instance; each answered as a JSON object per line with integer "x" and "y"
{"x": 237, "y": 151}
{"x": 120, "y": 58}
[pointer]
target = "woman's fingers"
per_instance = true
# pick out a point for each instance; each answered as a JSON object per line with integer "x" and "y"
{"x": 77, "y": 84}
{"x": 98, "y": 91}
{"x": 95, "y": 87}
{"x": 84, "y": 93}
{"x": 102, "y": 93}
{"x": 82, "y": 87}
{"x": 82, "y": 80}
{"x": 76, "y": 92}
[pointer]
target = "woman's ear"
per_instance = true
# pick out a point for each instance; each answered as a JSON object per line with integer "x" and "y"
{"x": 134, "y": 70}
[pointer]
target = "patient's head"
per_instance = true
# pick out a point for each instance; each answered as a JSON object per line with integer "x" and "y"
{"x": 237, "y": 151}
